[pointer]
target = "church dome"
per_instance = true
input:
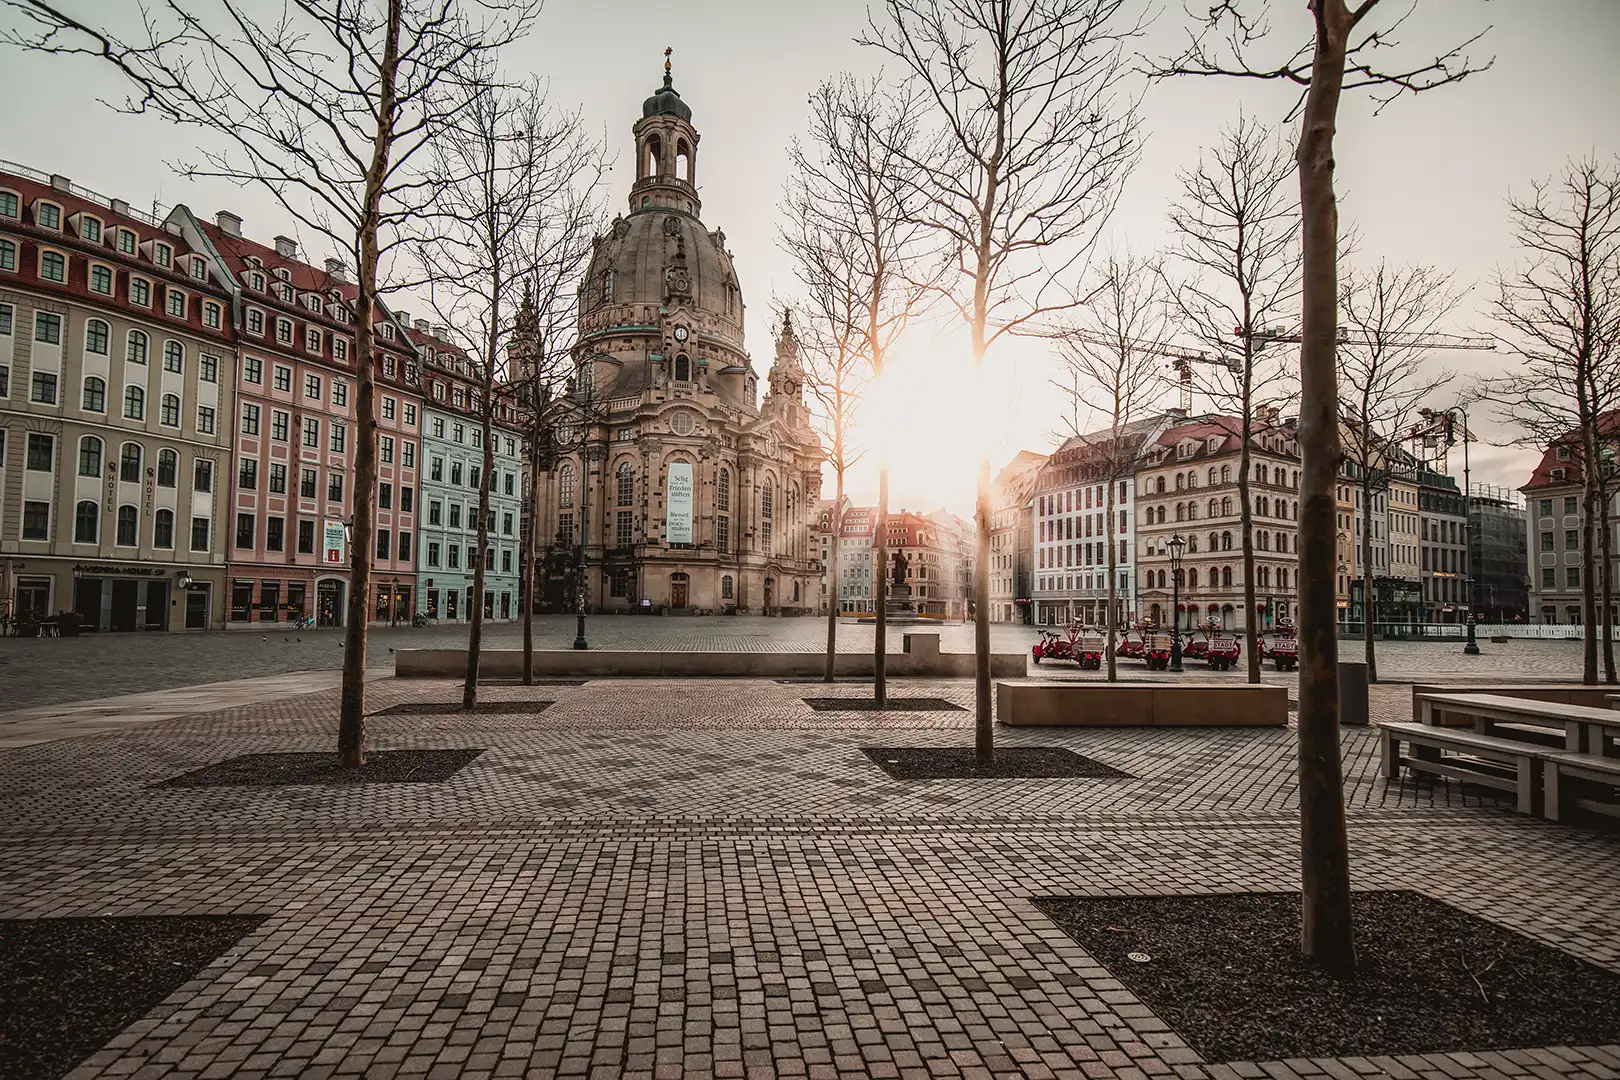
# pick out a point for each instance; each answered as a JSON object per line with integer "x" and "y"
{"x": 658, "y": 255}
{"x": 666, "y": 101}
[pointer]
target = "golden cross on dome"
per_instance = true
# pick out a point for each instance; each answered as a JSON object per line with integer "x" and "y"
{"x": 667, "y": 51}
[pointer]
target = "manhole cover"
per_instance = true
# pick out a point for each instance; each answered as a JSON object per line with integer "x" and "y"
{"x": 1138, "y": 957}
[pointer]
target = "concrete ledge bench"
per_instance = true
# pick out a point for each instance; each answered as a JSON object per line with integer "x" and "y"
{"x": 1565, "y": 778}
{"x": 1157, "y": 704}
{"x": 1503, "y": 764}
{"x": 1580, "y": 728}
{"x": 1563, "y": 693}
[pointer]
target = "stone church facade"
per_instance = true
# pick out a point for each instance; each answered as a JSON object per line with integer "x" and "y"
{"x": 663, "y": 378}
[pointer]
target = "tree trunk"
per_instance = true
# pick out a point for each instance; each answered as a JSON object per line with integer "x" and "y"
{"x": 1245, "y": 463}
{"x": 530, "y": 553}
{"x": 880, "y": 592}
{"x": 1327, "y": 935}
{"x": 475, "y": 633}
{"x": 1589, "y": 525}
{"x": 352, "y": 699}
{"x": 831, "y": 570}
{"x": 1369, "y": 599}
{"x": 984, "y": 732}
{"x": 1113, "y": 580}
{"x": 1605, "y": 551}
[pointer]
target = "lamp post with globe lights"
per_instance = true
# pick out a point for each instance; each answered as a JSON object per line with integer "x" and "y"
{"x": 1175, "y": 545}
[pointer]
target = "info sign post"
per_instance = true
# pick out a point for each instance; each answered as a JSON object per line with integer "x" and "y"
{"x": 332, "y": 543}
{"x": 678, "y": 504}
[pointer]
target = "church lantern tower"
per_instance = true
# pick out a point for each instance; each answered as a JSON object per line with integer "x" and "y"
{"x": 666, "y": 152}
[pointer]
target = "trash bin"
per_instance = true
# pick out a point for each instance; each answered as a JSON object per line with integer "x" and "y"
{"x": 1353, "y": 693}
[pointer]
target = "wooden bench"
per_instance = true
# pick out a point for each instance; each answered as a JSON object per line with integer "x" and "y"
{"x": 1585, "y": 729}
{"x": 1567, "y": 693}
{"x": 1522, "y": 770}
{"x": 1562, "y": 796}
{"x": 1124, "y": 704}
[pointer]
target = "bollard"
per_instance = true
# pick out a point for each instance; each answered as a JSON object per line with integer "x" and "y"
{"x": 1353, "y": 693}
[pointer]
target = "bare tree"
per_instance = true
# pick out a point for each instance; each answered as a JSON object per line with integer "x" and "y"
{"x": 1033, "y": 135}
{"x": 1237, "y": 257}
{"x": 1559, "y": 314}
{"x": 1389, "y": 318}
{"x": 1347, "y": 49}
{"x": 866, "y": 264}
{"x": 1113, "y": 358}
{"x": 325, "y": 106}
{"x": 507, "y": 170}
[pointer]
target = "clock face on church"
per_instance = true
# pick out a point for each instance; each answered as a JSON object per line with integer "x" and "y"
{"x": 680, "y": 331}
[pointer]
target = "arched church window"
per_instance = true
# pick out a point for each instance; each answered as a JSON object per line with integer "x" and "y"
{"x": 683, "y": 368}
{"x": 725, "y": 587}
{"x": 722, "y": 491}
{"x": 627, "y": 484}
{"x": 607, "y": 286}
{"x": 766, "y": 498}
{"x": 683, "y": 161}
{"x": 565, "y": 486}
{"x": 655, "y": 152}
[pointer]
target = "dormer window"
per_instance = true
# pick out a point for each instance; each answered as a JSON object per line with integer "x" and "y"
{"x": 211, "y": 316}
{"x": 52, "y": 266}
{"x": 313, "y": 302}
{"x": 176, "y": 302}
{"x": 1559, "y": 474}
{"x": 127, "y": 241}
{"x": 281, "y": 273}
{"x": 140, "y": 291}
{"x": 312, "y": 339}
{"x": 48, "y": 216}
{"x": 199, "y": 269}
{"x": 256, "y": 281}
{"x": 90, "y": 228}
{"x": 1563, "y": 453}
{"x": 9, "y": 205}
{"x": 340, "y": 350}
{"x": 255, "y": 321}
{"x": 283, "y": 291}
{"x": 388, "y": 364}
{"x": 284, "y": 331}
{"x": 101, "y": 280}
{"x": 1214, "y": 443}
{"x": 388, "y": 331}
{"x": 163, "y": 254}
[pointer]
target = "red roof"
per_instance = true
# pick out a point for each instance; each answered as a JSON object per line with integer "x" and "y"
{"x": 1570, "y": 444}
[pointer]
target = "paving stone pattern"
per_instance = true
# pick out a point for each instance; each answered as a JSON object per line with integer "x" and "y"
{"x": 648, "y": 880}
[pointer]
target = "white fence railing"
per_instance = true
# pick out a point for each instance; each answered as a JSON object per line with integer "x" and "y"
{"x": 1457, "y": 632}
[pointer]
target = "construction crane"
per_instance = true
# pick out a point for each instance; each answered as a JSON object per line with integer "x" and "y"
{"x": 1181, "y": 360}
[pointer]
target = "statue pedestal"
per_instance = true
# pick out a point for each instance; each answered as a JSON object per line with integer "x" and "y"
{"x": 899, "y": 607}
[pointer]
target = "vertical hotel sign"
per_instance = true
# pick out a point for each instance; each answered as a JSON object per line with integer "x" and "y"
{"x": 678, "y": 506}
{"x": 332, "y": 543}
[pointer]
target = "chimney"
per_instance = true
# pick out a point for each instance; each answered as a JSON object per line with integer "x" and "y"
{"x": 438, "y": 332}
{"x": 286, "y": 247}
{"x": 405, "y": 320}
{"x": 119, "y": 206}
{"x": 420, "y": 324}
{"x": 228, "y": 223}
{"x": 60, "y": 182}
{"x": 336, "y": 270}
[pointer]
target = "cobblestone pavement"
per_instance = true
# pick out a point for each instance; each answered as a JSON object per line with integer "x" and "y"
{"x": 644, "y": 880}
{"x": 47, "y": 671}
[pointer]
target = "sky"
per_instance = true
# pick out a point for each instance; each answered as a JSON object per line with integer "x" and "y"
{"x": 1424, "y": 182}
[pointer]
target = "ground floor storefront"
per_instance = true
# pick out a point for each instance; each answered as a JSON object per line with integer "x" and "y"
{"x": 105, "y": 597}
{"x": 261, "y": 593}
{"x": 450, "y": 597}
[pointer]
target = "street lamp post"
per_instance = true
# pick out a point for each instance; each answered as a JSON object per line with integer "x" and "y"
{"x": 1175, "y": 545}
{"x": 585, "y": 382}
{"x": 1471, "y": 645}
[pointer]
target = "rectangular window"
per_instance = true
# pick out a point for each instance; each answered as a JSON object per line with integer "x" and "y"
{"x": 205, "y": 420}
{"x": 506, "y": 524}
{"x": 47, "y": 328}
{"x": 408, "y": 455}
{"x": 435, "y": 512}
{"x": 8, "y": 255}
{"x": 244, "y": 530}
{"x": 385, "y": 496}
{"x": 307, "y": 479}
{"x": 312, "y": 339}
{"x": 455, "y": 515}
{"x": 140, "y": 292}
{"x": 404, "y": 547}
{"x": 36, "y": 523}
{"x": 1546, "y": 507}
{"x": 283, "y": 377}
{"x": 410, "y": 415}
{"x": 126, "y": 241}
{"x": 1546, "y": 541}
{"x": 385, "y": 447}
{"x": 1549, "y": 577}
{"x": 340, "y": 438}
{"x": 273, "y": 530}
{"x": 506, "y": 560}
{"x": 455, "y": 473}
{"x": 280, "y": 424}
{"x": 52, "y": 266}
{"x": 722, "y": 533}
{"x": 433, "y": 555}
{"x": 43, "y": 388}
{"x": 255, "y": 321}
{"x": 247, "y": 474}
{"x": 199, "y": 534}
{"x": 284, "y": 332}
{"x": 202, "y": 475}
{"x": 101, "y": 280}
{"x": 211, "y": 316}
{"x": 306, "y": 538}
{"x": 453, "y": 551}
{"x": 8, "y": 204}
{"x": 389, "y": 406}
{"x": 253, "y": 370}
{"x": 312, "y": 387}
{"x": 176, "y": 302}
{"x": 1572, "y": 577}
{"x": 405, "y": 499}
{"x": 438, "y": 428}
{"x": 199, "y": 269}
{"x": 458, "y": 431}
{"x": 312, "y": 432}
{"x": 208, "y": 368}
{"x": 340, "y": 393}
{"x": 1572, "y": 539}
{"x": 474, "y": 475}
{"x": 625, "y": 534}
{"x": 48, "y": 216}
{"x": 385, "y": 543}
{"x": 1571, "y": 506}
{"x": 250, "y": 418}
{"x": 89, "y": 228}
{"x": 41, "y": 456}
{"x": 340, "y": 349}
{"x": 436, "y": 469}
{"x": 278, "y": 478}
{"x": 334, "y": 487}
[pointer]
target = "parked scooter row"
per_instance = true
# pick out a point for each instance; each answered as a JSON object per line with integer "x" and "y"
{"x": 1143, "y": 641}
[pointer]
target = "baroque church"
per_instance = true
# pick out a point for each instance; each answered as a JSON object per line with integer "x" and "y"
{"x": 695, "y": 497}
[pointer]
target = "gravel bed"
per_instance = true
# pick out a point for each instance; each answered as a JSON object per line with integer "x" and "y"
{"x": 1010, "y": 763}
{"x": 67, "y": 986}
{"x": 894, "y": 704}
{"x": 290, "y": 770}
{"x": 1226, "y": 973}
{"x": 453, "y": 708}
